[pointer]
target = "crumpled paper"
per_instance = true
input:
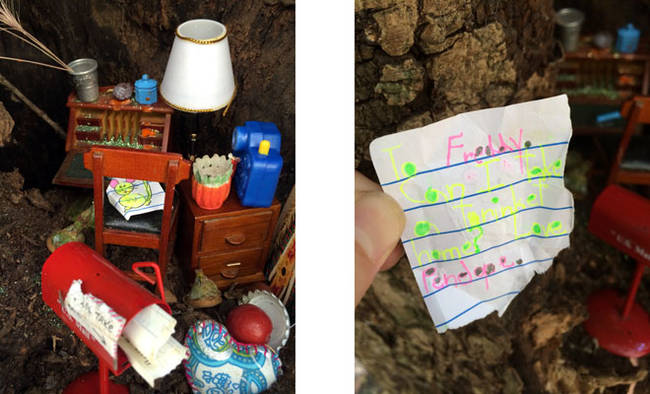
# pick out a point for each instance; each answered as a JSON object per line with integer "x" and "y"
{"x": 97, "y": 319}
{"x": 485, "y": 203}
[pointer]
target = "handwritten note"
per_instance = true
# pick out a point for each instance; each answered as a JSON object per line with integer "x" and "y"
{"x": 94, "y": 317}
{"x": 485, "y": 203}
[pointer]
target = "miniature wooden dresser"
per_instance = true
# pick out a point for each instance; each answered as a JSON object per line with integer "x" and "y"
{"x": 229, "y": 244}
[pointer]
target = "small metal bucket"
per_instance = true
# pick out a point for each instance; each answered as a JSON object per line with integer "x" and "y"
{"x": 570, "y": 21}
{"x": 84, "y": 76}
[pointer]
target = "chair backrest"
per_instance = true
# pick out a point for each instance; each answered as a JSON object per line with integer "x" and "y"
{"x": 167, "y": 168}
{"x": 637, "y": 101}
{"x": 637, "y": 111}
{"x": 137, "y": 164}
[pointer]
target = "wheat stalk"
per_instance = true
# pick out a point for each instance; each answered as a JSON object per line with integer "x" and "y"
{"x": 9, "y": 23}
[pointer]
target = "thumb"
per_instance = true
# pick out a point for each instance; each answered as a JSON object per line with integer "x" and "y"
{"x": 379, "y": 222}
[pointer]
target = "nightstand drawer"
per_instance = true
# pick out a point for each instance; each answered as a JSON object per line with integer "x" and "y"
{"x": 241, "y": 232}
{"x": 232, "y": 265}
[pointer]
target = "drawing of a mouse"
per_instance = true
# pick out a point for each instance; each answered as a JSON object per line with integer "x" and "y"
{"x": 130, "y": 200}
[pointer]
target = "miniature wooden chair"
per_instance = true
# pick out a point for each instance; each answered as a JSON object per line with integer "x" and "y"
{"x": 632, "y": 162}
{"x": 154, "y": 230}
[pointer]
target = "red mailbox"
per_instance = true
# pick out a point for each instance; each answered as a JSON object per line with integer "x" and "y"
{"x": 103, "y": 280}
{"x": 622, "y": 219}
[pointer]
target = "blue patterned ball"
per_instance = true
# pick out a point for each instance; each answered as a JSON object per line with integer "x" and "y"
{"x": 220, "y": 364}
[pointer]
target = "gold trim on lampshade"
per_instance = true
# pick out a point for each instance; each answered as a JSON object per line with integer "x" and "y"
{"x": 203, "y": 42}
{"x": 227, "y": 105}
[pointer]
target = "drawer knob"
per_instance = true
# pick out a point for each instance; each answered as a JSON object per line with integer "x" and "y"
{"x": 236, "y": 238}
{"x": 231, "y": 271}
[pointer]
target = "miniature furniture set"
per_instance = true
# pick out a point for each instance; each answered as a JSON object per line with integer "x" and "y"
{"x": 125, "y": 139}
{"x": 113, "y": 134}
{"x": 599, "y": 81}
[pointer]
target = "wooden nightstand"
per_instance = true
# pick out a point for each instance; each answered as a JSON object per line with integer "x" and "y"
{"x": 229, "y": 244}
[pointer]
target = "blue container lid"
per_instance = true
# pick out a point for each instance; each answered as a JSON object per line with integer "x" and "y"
{"x": 145, "y": 82}
{"x": 629, "y": 31}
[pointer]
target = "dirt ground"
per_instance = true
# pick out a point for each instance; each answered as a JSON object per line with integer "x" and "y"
{"x": 40, "y": 354}
{"x": 539, "y": 345}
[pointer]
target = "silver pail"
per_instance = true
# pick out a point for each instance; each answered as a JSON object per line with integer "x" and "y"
{"x": 84, "y": 76}
{"x": 570, "y": 21}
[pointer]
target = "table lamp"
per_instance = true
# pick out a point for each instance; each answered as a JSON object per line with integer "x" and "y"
{"x": 199, "y": 76}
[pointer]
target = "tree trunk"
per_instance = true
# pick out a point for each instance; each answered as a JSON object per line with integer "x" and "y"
{"x": 420, "y": 61}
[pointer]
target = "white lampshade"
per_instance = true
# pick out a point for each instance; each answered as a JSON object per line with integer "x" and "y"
{"x": 199, "y": 75}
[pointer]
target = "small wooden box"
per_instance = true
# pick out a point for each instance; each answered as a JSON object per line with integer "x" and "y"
{"x": 229, "y": 244}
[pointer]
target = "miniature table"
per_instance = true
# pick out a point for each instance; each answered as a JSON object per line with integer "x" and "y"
{"x": 110, "y": 122}
{"x": 229, "y": 244}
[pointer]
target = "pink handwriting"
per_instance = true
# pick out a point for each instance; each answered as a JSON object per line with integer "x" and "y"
{"x": 489, "y": 149}
{"x": 434, "y": 280}
{"x": 449, "y": 146}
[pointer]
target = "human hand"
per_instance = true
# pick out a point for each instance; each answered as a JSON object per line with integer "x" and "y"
{"x": 378, "y": 224}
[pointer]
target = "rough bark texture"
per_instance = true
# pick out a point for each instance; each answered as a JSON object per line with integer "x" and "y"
{"x": 129, "y": 38}
{"x": 6, "y": 126}
{"x": 474, "y": 54}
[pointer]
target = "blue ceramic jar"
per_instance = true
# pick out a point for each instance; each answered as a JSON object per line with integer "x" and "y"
{"x": 628, "y": 39}
{"x": 146, "y": 90}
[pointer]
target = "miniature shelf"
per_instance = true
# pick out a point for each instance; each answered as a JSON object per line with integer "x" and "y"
{"x": 599, "y": 81}
{"x": 110, "y": 122}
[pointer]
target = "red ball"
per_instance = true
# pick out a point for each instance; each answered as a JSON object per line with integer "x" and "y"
{"x": 249, "y": 324}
